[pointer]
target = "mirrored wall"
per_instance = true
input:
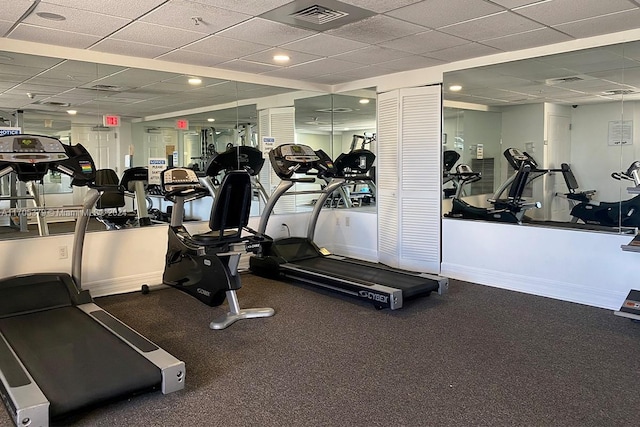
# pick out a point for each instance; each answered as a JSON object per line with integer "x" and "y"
{"x": 565, "y": 122}
{"x": 167, "y": 116}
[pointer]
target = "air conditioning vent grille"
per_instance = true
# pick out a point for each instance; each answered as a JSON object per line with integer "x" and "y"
{"x": 619, "y": 92}
{"x": 319, "y": 15}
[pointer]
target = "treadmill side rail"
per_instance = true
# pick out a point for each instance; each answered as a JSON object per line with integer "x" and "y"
{"x": 380, "y": 295}
{"x": 27, "y": 403}
{"x": 173, "y": 370}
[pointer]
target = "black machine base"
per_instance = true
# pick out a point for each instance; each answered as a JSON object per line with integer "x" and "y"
{"x": 631, "y": 306}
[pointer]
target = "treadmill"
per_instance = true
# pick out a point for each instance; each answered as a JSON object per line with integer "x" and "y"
{"x": 301, "y": 259}
{"x": 61, "y": 354}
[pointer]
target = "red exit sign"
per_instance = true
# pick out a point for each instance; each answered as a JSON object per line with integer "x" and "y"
{"x": 111, "y": 121}
{"x": 182, "y": 124}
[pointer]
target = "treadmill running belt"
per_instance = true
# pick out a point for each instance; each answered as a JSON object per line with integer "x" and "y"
{"x": 368, "y": 275}
{"x": 75, "y": 361}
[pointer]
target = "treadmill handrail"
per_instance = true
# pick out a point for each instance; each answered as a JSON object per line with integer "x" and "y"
{"x": 333, "y": 185}
{"x": 82, "y": 222}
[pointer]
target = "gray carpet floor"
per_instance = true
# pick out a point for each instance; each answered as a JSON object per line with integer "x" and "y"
{"x": 478, "y": 356}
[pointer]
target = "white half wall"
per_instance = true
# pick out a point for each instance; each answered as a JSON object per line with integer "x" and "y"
{"x": 578, "y": 266}
{"x": 121, "y": 261}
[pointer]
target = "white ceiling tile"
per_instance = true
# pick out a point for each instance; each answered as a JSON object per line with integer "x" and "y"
{"x": 331, "y": 79}
{"x": 225, "y": 47}
{"x": 143, "y": 32}
{"x": 195, "y": 58}
{"x": 539, "y": 37}
{"x": 424, "y": 42}
{"x": 439, "y": 13}
{"x": 253, "y": 7}
{"x": 493, "y": 26}
{"x": 528, "y": 69}
{"x": 380, "y": 6}
{"x": 410, "y": 63}
{"x": 13, "y": 101}
{"x": 268, "y": 32}
{"x": 266, "y": 57}
{"x": 366, "y": 72}
{"x": 376, "y": 29}
{"x": 80, "y": 72}
{"x": 121, "y": 47}
{"x": 134, "y": 77}
{"x": 19, "y": 72}
{"x": 39, "y": 89}
{"x": 510, "y": 4}
{"x": 76, "y": 21}
{"x": 590, "y": 61}
{"x": 28, "y": 61}
{"x": 36, "y": 34}
{"x": 324, "y": 45}
{"x": 247, "y": 66}
{"x": 180, "y": 14}
{"x": 458, "y": 53}
{"x": 621, "y": 21}
{"x": 13, "y": 10}
{"x": 372, "y": 55}
{"x": 4, "y": 26}
{"x": 562, "y": 11}
{"x": 311, "y": 69}
{"x": 125, "y": 9}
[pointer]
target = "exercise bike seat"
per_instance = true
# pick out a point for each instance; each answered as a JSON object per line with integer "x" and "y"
{"x": 229, "y": 212}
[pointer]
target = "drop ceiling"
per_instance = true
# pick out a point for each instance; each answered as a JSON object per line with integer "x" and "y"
{"x": 243, "y": 35}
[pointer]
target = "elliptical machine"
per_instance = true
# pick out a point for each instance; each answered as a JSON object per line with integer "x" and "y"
{"x": 205, "y": 265}
{"x": 509, "y": 210}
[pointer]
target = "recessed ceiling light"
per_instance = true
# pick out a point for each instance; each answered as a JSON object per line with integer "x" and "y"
{"x": 194, "y": 81}
{"x": 211, "y": 120}
{"x": 364, "y": 101}
{"x": 50, "y": 16}
{"x": 455, "y": 88}
{"x": 281, "y": 58}
{"x": 72, "y": 112}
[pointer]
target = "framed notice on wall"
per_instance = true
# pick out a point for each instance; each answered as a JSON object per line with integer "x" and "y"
{"x": 620, "y": 132}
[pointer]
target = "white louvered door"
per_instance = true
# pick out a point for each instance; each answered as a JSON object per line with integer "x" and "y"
{"x": 278, "y": 123}
{"x": 410, "y": 176}
{"x": 387, "y": 178}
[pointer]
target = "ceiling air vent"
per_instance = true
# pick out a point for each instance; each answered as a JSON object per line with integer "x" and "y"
{"x": 53, "y": 103}
{"x": 619, "y": 92}
{"x": 319, "y": 15}
{"x": 562, "y": 80}
{"x": 108, "y": 88}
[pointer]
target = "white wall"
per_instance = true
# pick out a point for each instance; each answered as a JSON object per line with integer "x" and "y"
{"x": 578, "y": 266}
{"x": 592, "y": 159}
{"x": 122, "y": 260}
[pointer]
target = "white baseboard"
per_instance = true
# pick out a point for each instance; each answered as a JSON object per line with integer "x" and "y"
{"x": 572, "y": 292}
{"x": 123, "y": 285}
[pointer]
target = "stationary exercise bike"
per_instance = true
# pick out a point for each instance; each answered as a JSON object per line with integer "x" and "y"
{"x": 205, "y": 265}
{"x": 625, "y": 213}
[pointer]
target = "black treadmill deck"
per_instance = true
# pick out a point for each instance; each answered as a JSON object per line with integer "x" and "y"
{"x": 369, "y": 274}
{"x": 75, "y": 361}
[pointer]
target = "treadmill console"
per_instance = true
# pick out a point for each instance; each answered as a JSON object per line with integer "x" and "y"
{"x": 31, "y": 149}
{"x": 288, "y": 159}
{"x": 31, "y": 157}
{"x": 242, "y": 157}
{"x": 179, "y": 179}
